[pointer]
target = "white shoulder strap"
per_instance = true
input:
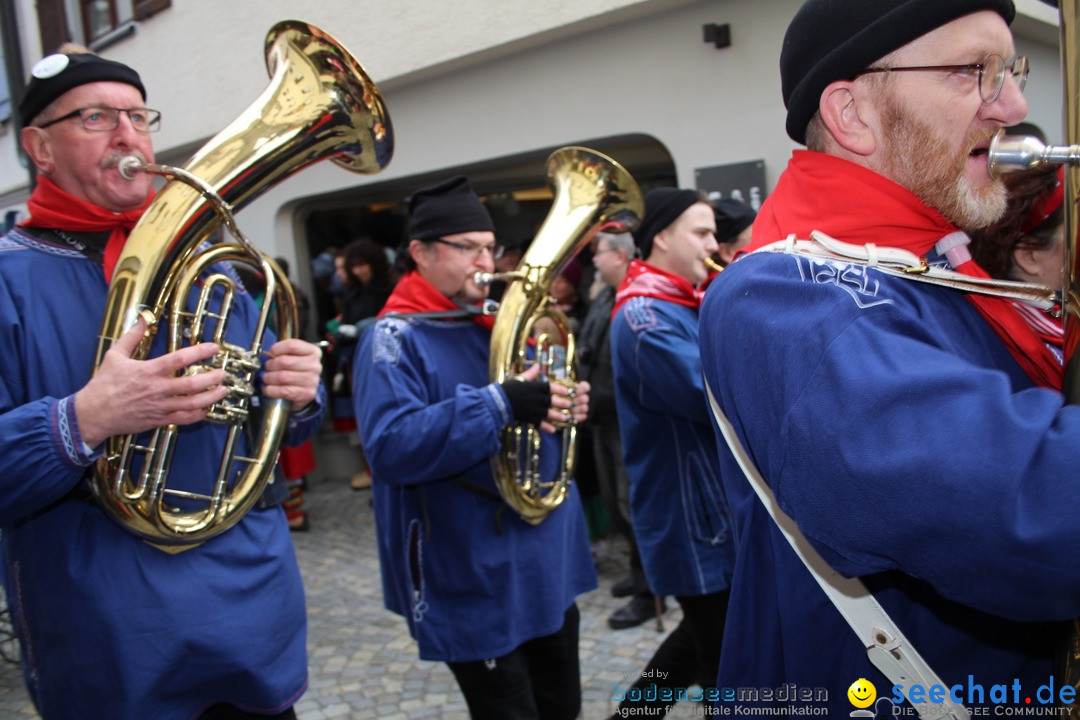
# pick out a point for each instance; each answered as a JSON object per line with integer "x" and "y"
{"x": 907, "y": 265}
{"x": 885, "y": 645}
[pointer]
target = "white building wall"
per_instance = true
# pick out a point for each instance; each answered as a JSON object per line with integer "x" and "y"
{"x": 480, "y": 79}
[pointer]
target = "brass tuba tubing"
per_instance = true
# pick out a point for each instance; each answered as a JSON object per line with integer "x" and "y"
{"x": 320, "y": 104}
{"x": 592, "y": 193}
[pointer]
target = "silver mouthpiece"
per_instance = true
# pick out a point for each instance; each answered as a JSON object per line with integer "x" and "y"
{"x": 129, "y": 166}
{"x": 1015, "y": 153}
{"x": 486, "y": 278}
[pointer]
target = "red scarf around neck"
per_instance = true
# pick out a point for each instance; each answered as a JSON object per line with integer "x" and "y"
{"x": 645, "y": 280}
{"x": 54, "y": 209}
{"x": 856, "y": 205}
{"x": 413, "y": 294}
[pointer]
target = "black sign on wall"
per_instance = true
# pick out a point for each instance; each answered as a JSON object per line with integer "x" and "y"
{"x": 741, "y": 181}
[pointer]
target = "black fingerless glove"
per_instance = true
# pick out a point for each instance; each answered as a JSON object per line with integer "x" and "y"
{"x": 529, "y": 400}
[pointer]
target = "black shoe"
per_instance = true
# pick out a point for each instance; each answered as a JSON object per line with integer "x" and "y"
{"x": 625, "y": 587}
{"x": 640, "y": 609}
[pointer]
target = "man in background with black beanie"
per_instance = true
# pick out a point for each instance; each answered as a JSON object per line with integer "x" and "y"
{"x": 484, "y": 591}
{"x": 734, "y": 227}
{"x": 110, "y": 626}
{"x": 681, "y": 518}
{"x": 914, "y": 433}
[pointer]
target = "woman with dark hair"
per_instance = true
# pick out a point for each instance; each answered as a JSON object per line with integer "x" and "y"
{"x": 368, "y": 283}
{"x": 1028, "y": 243}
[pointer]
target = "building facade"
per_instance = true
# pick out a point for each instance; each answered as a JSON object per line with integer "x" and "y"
{"x": 682, "y": 92}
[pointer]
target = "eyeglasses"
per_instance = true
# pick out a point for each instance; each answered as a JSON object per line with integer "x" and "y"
{"x": 991, "y": 73}
{"x": 473, "y": 251}
{"x": 107, "y": 119}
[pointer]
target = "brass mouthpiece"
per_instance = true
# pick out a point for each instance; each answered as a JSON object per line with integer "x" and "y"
{"x": 713, "y": 265}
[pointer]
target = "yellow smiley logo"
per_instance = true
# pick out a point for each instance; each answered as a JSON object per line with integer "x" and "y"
{"x": 862, "y": 693}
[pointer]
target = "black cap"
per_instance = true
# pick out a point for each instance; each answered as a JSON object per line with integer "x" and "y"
{"x": 54, "y": 75}
{"x": 830, "y": 40}
{"x": 447, "y": 208}
{"x": 732, "y": 217}
{"x": 663, "y": 206}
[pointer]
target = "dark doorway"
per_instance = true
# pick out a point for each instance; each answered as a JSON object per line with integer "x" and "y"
{"x": 514, "y": 188}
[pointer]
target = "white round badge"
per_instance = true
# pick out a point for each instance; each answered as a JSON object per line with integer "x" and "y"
{"x": 50, "y": 66}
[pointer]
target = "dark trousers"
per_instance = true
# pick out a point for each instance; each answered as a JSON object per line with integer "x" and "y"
{"x": 689, "y": 655}
{"x": 540, "y": 680}
{"x": 224, "y": 711}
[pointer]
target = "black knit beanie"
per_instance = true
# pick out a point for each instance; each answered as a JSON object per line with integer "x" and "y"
{"x": 663, "y": 206}
{"x": 732, "y": 217}
{"x": 830, "y": 40}
{"x": 54, "y": 75}
{"x": 447, "y": 208}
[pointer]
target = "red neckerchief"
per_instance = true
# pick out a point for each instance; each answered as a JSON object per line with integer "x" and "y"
{"x": 856, "y": 205}
{"x": 645, "y": 280}
{"x": 52, "y": 208}
{"x": 414, "y": 294}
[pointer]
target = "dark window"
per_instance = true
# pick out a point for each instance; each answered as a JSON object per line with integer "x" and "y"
{"x": 99, "y": 18}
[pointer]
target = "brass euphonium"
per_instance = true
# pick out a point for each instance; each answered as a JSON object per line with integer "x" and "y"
{"x": 593, "y": 194}
{"x": 319, "y": 104}
{"x": 1011, "y": 154}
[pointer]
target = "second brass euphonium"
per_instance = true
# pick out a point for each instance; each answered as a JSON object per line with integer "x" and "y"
{"x": 319, "y": 104}
{"x": 593, "y": 194}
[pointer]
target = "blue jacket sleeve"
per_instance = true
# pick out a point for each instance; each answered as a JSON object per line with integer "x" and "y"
{"x": 410, "y": 433}
{"x": 304, "y": 424}
{"x": 42, "y": 454}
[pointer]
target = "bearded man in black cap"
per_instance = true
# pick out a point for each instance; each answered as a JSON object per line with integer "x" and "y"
{"x": 913, "y": 433}
{"x": 482, "y": 590}
{"x": 680, "y": 516}
{"x": 110, "y": 626}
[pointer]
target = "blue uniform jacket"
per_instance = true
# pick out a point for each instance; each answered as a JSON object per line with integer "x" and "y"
{"x": 682, "y": 522}
{"x": 896, "y": 429}
{"x": 111, "y": 627}
{"x": 472, "y": 579}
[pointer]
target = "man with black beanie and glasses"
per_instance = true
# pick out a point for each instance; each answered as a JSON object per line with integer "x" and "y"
{"x": 484, "y": 591}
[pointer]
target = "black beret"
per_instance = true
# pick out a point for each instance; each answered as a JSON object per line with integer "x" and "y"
{"x": 663, "y": 206}
{"x": 447, "y": 208}
{"x": 830, "y": 40}
{"x": 732, "y": 217}
{"x": 54, "y": 75}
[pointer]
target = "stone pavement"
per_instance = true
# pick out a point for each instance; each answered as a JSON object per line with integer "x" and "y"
{"x": 363, "y": 664}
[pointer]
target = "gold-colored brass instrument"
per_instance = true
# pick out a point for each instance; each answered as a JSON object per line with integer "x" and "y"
{"x": 593, "y": 194}
{"x": 1011, "y": 154}
{"x": 319, "y": 104}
